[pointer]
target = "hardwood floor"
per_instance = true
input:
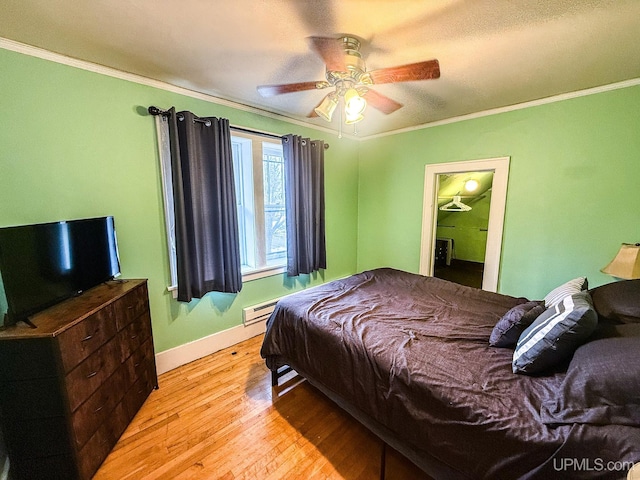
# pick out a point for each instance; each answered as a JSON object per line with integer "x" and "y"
{"x": 462, "y": 272}
{"x": 215, "y": 418}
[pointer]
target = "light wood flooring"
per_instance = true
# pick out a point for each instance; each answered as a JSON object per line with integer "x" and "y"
{"x": 219, "y": 418}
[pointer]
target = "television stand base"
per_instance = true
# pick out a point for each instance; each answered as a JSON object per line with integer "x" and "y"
{"x": 30, "y": 323}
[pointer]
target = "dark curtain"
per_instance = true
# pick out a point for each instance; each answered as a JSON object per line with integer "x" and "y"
{"x": 304, "y": 190}
{"x": 206, "y": 223}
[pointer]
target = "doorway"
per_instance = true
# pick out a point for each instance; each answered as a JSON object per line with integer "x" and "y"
{"x": 463, "y": 207}
{"x": 465, "y": 249}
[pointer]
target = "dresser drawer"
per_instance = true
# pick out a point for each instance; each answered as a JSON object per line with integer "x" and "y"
{"x": 91, "y": 456}
{"x": 81, "y": 340}
{"x": 140, "y": 360}
{"x": 27, "y": 399}
{"x": 56, "y": 467}
{"x": 85, "y": 379}
{"x": 139, "y": 391}
{"x": 98, "y": 407}
{"x": 86, "y": 420}
{"x": 37, "y": 437}
{"x": 23, "y": 359}
{"x": 129, "y": 307}
{"x": 134, "y": 335}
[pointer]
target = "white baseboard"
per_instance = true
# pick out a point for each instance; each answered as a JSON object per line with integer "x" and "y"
{"x": 175, "y": 357}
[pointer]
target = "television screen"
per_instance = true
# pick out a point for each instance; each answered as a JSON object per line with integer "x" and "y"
{"x": 43, "y": 264}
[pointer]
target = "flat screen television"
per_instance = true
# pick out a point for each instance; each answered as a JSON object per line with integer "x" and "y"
{"x": 43, "y": 264}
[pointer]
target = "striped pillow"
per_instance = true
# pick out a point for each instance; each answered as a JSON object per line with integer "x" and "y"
{"x": 555, "y": 334}
{"x": 556, "y": 295}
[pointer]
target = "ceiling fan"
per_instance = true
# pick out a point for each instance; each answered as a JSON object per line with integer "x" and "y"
{"x": 346, "y": 71}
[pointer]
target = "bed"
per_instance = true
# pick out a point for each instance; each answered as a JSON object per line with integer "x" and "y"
{"x": 409, "y": 357}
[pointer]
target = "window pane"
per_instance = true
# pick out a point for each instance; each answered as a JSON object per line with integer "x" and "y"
{"x": 241, "y": 149}
{"x": 236, "y": 152}
{"x": 276, "y": 236}
{"x": 274, "y": 203}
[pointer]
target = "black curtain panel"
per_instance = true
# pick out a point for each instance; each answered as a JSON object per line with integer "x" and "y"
{"x": 206, "y": 222}
{"x": 304, "y": 190}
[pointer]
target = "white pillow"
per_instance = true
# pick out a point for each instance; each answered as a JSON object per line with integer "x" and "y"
{"x": 572, "y": 287}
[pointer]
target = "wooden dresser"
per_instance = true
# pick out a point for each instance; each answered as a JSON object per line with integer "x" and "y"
{"x": 70, "y": 387}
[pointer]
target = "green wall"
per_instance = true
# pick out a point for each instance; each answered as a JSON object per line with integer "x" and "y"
{"x": 77, "y": 144}
{"x": 572, "y": 197}
{"x": 467, "y": 229}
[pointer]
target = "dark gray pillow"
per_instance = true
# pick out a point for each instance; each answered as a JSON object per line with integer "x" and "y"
{"x": 602, "y": 385}
{"x": 618, "y": 301}
{"x": 555, "y": 334}
{"x": 611, "y": 330}
{"x": 508, "y": 329}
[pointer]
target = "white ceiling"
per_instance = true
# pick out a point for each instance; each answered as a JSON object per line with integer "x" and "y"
{"x": 492, "y": 53}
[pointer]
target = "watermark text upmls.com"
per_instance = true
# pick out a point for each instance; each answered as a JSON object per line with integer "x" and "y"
{"x": 568, "y": 464}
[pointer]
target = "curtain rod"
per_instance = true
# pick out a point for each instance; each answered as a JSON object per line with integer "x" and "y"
{"x": 157, "y": 111}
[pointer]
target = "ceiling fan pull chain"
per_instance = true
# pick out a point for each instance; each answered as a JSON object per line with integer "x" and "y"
{"x": 341, "y": 109}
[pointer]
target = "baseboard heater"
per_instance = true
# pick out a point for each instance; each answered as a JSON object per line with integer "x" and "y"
{"x": 259, "y": 312}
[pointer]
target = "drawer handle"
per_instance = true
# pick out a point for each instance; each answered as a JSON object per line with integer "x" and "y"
{"x": 133, "y": 337}
{"x": 91, "y": 335}
{"x": 136, "y": 364}
{"x": 92, "y": 374}
{"x": 130, "y": 307}
{"x": 98, "y": 409}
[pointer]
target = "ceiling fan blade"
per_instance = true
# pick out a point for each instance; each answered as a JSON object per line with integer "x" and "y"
{"x": 271, "y": 90}
{"x": 331, "y": 51}
{"x": 381, "y": 102}
{"x": 407, "y": 73}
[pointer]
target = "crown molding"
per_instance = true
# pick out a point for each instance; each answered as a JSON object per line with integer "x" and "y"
{"x": 30, "y": 50}
{"x": 43, "y": 54}
{"x": 518, "y": 106}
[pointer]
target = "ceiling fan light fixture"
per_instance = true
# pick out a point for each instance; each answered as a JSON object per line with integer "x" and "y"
{"x": 354, "y": 104}
{"x": 327, "y": 107}
{"x": 350, "y": 118}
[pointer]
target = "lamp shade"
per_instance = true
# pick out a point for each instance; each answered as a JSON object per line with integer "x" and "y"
{"x": 351, "y": 118}
{"x": 354, "y": 103}
{"x": 626, "y": 264}
{"x": 327, "y": 106}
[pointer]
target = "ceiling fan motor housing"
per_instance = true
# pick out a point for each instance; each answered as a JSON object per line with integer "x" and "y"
{"x": 352, "y": 57}
{"x": 355, "y": 69}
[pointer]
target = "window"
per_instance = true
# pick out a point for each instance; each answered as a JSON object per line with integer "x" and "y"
{"x": 258, "y": 165}
{"x": 259, "y": 175}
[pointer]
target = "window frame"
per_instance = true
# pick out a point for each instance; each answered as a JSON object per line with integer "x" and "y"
{"x": 257, "y": 173}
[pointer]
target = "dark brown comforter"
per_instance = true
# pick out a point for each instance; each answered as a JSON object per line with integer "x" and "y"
{"x": 412, "y": 353}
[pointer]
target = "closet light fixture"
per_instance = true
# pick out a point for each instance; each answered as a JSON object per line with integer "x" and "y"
{"x": 471, "y": 185}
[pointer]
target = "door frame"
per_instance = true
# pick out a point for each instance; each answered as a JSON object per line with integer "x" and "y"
{"x": 500, "y": 167}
